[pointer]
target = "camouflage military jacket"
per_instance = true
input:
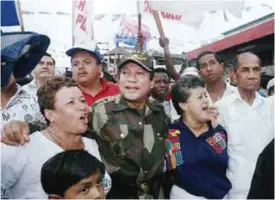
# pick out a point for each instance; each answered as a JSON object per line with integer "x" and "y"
{"x": 130, "y": 141}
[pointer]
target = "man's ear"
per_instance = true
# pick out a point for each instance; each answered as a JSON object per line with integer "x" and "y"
{"x": 222, "y": 65}
{"x": 152, "y": 83}
{"x": 234, "y": 77}
{"x": 54, "y": 196}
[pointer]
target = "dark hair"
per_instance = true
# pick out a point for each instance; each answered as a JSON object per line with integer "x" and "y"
{"x": 207, "y": 53}
{"x": 67, "y": 168}
{"x": 108, "y": 77}
{"x": 181, "y": 90}
{"x": 46, "y": 93}
{"x": 162, "y": 70}
{"x": 235, "y": 61}
{"x": 49, "y": 55}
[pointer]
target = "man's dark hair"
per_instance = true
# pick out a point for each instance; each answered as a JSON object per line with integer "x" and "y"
{"x": 235, "y": 61}
{"x": 67, "y": 168}
{"x": 181, "y": 90}
{"x": 162, "y": 70}
{"x": 49, "y": 55}
{"x": 217, "y": 57}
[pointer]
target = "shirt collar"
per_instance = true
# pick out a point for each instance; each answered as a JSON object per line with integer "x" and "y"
{"x": 257, "y": 101}
{"x": 121, "y": 104}
{"x": 32, "y": 84}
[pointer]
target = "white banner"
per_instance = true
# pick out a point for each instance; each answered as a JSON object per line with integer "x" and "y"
{"x": 190, "y": 12}
{"x": 82, "y": 21}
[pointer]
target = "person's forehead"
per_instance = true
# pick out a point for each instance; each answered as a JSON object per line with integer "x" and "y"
{"x": 82, "y": 55}
{"x": 249, "y": 60}
{"x": 46, "y": 59}
{"x": 207, "y": 58}
{"x": 161, "y": 75}
{"x": 132, "y": 66}
{"x": 69, "y": 92}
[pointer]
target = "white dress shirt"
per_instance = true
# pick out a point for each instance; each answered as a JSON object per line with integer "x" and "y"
{"x": 22, "y": 106}
{"x": 229, "y": 89}
{"x": 21, "y": 166}
{"x": 250, "y": 129}
{"x": 168, "y": 108}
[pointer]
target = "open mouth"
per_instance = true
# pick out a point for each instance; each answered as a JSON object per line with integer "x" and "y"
{"x": 84, "y": 118}
{"x": 133, "y": 88}
{"x": 205, "y": 108}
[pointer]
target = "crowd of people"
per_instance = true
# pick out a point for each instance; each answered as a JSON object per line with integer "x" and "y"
{"x": 82, "y": 136}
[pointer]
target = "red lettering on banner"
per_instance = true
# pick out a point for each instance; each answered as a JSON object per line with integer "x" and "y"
{"x": 82, "y": 21}
{"x": 178, "y": 17}
{"x": 163, "y": 14}
{"x": 81, "y": 5}
{"x": 147, "y": 7}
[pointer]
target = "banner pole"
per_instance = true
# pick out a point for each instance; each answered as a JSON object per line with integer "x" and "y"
{"x": 19, "y": 13}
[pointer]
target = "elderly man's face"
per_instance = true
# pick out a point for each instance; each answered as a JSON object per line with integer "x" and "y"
{"x": 134, "y": 82}
{"x": 248, "y": 73}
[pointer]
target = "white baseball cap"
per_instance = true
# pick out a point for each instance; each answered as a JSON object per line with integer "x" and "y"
{"x": 270, "y": 84}
{"x": 190, "y": 71}
{"x": 90, "y": 47}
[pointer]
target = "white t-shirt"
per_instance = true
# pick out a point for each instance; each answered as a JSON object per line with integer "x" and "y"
{"x": 21, "y": 166}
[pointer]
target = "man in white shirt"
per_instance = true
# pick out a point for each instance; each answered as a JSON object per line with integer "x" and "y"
{"x": 17, "y": 60}
{"x": 160, "y": 92}
{"x": 44, "y": 70}
{"x": 20, "y": 52}
{"x": 18, "y": 104}
{"x": 210, "y": 68}
{"x": 248, "y": 119}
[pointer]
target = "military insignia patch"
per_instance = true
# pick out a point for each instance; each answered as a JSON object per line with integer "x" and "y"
{"x": 173, "y": 153}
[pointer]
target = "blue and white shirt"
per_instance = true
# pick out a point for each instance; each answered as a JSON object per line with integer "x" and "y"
{"x": 200, "y": 162}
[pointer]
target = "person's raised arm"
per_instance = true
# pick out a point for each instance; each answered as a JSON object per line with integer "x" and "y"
{"x": 168, "y": 59}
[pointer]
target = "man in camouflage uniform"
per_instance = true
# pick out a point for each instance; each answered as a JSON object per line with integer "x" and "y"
{"x": 130, "y": 131}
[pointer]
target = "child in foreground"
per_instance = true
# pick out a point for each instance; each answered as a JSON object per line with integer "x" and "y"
{"x": 73, "y": 174}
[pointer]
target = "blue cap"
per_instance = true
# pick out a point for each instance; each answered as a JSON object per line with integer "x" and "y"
{"x": 20, "y": 53}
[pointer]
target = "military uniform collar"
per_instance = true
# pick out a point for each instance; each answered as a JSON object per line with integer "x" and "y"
{"x": 121, "y": 104}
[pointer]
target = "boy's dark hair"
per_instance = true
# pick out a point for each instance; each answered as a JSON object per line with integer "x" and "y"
{"x": 217, "y": 57}
{"x": 162, "y": 70}
{"x": 181, "y": 90}
{"x": 66, "y": 169}
{"x": 49, "y": 55}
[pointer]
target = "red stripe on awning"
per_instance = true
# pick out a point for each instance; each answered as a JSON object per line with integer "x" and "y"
{"x": 253, "y": 33}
